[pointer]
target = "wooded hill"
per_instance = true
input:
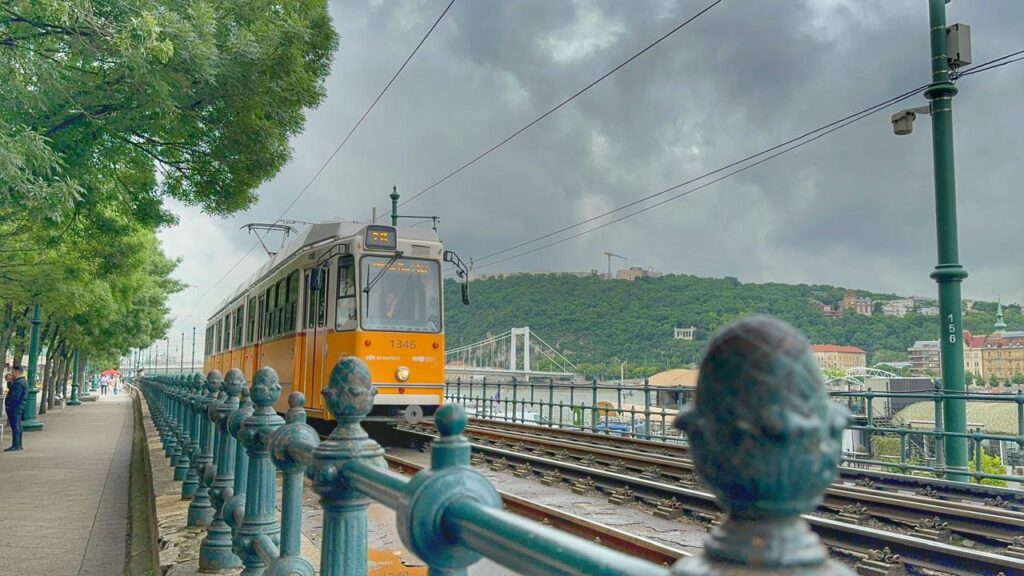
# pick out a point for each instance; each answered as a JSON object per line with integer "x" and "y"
{"x": 598, "y": 323}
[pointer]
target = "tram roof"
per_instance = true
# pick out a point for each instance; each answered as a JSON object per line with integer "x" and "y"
{"x": 316, "y": 234}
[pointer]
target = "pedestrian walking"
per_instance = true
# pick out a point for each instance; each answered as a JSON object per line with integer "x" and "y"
{"x": 104, "y": 382}
{"x": 14, "y": 404}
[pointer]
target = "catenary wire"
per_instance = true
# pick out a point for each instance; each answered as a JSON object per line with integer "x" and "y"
{"x": 705, "y": 185}
{"x": 885, "y": 103}
{"x": 829, "y": 128}
{"x": 557, "y": 107}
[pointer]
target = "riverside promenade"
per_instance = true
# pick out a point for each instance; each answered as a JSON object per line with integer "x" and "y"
{"x": 64, "y": 499}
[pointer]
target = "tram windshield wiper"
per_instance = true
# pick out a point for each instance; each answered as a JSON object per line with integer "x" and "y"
{"x": 380, "y": 274}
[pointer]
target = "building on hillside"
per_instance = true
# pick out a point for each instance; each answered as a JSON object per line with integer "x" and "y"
{"x": 1003, "y": 352}
{"x": 685, "y": 333}
{"x": 857, "y": 304}
{"x": 924, "y": 358}
{"x": 832, "y": 356}
{"x": 898, "y": 308}
{"x": 974, "y": 345}
{"x": 827, "y": 310}
{"x": 634, "y": 272}
{"x": 929, "y": 310}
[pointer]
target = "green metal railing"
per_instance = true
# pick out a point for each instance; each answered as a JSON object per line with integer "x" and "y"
{"x": 639, "y": 411}
{"x": 645, "y": 411}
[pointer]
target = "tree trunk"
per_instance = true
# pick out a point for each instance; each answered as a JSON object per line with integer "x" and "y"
{"x": 20, "y": 340}
{"x": 65, "y": 366}
{"x": 7, "y": 330}
{"x": 49, "y": 334}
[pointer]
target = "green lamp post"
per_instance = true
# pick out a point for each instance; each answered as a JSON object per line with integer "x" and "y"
{"x": 76, "y": 381}
{"x": 30, "y": 422}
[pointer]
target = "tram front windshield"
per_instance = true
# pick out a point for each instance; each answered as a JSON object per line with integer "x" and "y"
{"x": 404, "y": 297}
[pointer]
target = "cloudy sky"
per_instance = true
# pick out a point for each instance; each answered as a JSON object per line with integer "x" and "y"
{"x": 855, "y": 208}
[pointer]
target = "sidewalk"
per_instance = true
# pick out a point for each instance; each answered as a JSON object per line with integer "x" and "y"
{"x": 64, "y": 499}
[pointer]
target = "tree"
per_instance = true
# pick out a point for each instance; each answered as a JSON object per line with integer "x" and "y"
{"x": 993, "y": 381}
{"x": 107, "y": 107}
{"x": 114, "y": 96}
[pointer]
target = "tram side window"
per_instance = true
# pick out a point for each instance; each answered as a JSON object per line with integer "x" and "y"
{"x": 226, "y": 331}
{"x": 291, "y": 301}
{"x": 251, "y": 308}
{"x": 321, "y": 300}
{"x": 279, "y": 307}
{"x": 310, "y": 304}
{"x": 345, "y": 307}
{"x": 268, "y": 313}
{"x": 239, "y": 325}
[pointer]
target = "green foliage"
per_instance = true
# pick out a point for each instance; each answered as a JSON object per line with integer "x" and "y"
{"x": 990, "y": 464}
{"x": 598, "y": 323}
{"x": 107, "y": 108}
{"x": 204, "y": 92}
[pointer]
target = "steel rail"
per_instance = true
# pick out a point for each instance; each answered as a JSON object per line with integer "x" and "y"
{"x": 992, "y": 525}
{"x": 915, "y": 551}
{"x": 942, "y": 489}
{"x": 606, "y": 536}
{"x": 920, "y": 552}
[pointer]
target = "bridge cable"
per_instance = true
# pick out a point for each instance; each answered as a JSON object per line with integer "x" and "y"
{"x": 553, "y": 110}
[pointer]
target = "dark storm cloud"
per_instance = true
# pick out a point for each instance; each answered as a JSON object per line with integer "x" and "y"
{"x": 855, "y": 208}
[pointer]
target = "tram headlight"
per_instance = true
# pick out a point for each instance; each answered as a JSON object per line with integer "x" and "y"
{"x": 402, "y": 373}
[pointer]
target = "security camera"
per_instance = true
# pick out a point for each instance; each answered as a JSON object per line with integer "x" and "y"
{"x": 903, "y": 121}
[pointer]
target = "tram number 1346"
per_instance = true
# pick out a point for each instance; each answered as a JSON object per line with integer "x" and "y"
{"x": 408, "y": 344}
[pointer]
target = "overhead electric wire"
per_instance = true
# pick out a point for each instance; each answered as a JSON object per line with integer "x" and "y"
{"x": 557, "y": 107}
{"x": 818, "y": 133}
{"x": 888, "y": 102}
{"x": 704, "y": 185}
{"x": 338, "y": 149}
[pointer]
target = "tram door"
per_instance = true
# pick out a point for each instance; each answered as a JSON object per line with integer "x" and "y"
{"x": 315, "y": 329}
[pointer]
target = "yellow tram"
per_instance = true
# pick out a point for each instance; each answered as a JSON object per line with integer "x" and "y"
{"x": 342, "y": 289}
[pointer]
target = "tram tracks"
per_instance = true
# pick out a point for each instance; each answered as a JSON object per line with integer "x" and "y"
{"x": 570, "y": 523}
{"x": 956, "y": 492}
{"x": 668, "y": 486}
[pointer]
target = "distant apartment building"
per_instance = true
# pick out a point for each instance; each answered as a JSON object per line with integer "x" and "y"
{"x": 832, "y": 356}
{"x": 929, "y": 310}
{"x": 974, "y": 362}
{"x": 1003, "y": 352}
{"x": 857, "y": 304}
{"x": 898, "y": 308}
{"x": 924, "y": 357}
{"x": 685, "y": 333}
{"x": 634, "y": 272}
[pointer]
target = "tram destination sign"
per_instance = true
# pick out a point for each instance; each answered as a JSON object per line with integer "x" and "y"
{"x": 381, "y": 237}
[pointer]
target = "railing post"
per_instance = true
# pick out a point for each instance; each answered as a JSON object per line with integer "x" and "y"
{"x": 215, "y": 550}
{"x": 432, "y": 492}
{"x": 193, "y": 385}
{"x": 647, "y": 409}
{"x": 200, "y": 511}
{"x": 234, "y": 497}
{"x": 767, "y": 440}
{"x": 259, "y": 520}
{"x": 291, "y": 448}
{"x": 593, "y": 404}
{"x": 349, "y": 398}
{"x": 180, "y": 454}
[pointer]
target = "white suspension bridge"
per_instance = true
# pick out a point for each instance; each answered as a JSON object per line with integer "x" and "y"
{"x": 515, "y": 353}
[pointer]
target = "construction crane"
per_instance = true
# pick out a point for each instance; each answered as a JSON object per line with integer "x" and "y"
{"x": 610, "y": 255}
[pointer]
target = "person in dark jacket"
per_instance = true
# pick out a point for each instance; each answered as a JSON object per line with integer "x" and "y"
{"x": 14, "y": 403}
